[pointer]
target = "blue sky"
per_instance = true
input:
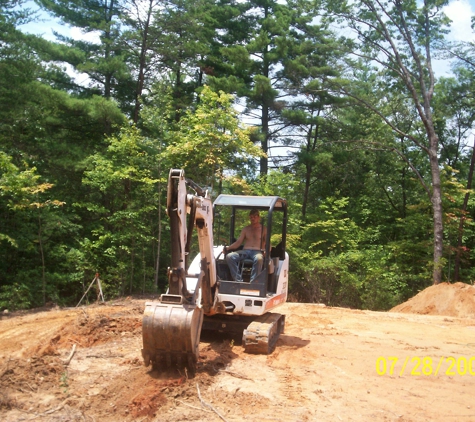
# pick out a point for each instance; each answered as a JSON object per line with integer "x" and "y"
{"x": 459, "y": 11}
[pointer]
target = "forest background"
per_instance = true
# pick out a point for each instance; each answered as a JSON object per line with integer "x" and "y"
{"x": 334, "y": 106}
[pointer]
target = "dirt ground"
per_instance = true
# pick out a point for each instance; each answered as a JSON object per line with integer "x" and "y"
{"x": 415, "y": 363}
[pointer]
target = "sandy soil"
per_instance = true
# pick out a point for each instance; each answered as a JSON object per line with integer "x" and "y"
{"x": 331, "y": 364}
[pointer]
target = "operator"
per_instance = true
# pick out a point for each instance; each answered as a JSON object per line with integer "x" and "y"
{"x": 253, "y": 236}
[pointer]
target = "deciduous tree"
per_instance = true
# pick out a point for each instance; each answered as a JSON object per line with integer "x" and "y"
{"x": 400, "y": 36}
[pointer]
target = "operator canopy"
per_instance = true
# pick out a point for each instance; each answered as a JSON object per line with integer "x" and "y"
{"x": 262, "y": 202}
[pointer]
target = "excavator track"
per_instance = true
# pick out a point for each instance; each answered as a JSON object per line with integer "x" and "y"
{"x": 262, "y": 334}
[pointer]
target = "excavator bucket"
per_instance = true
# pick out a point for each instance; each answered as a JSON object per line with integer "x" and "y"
{"x": 171, "y": 335}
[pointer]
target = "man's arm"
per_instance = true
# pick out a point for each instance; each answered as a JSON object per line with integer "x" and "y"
{"x": 237, "y": 243}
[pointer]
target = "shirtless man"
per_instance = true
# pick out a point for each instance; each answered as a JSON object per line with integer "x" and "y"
{"x": 253, "y": 237}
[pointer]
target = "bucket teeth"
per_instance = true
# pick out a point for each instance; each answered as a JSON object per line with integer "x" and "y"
{"x": 167, "y": 361}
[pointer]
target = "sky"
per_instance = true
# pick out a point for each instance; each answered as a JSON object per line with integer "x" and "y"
{"x": 459, "y": 11}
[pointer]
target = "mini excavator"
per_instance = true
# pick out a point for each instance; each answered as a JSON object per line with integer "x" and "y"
{"x": 203, "y": 296}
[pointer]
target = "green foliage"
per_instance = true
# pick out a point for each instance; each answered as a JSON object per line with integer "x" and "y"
{"x": 64, "y": 382}
{"x": 103, "y": 61}
{"x": 82, "y": 192}
{"x": 358, "y": 279}
{"x": 122, "y": 196}
{"x": 16, "y": 296}
{"x": 35, "y": 220}
{"x": 18, "y": 187}
{"x": 210, "y": 140}
{"x": 335, "y": 259}
{"x": 333, "y": 230}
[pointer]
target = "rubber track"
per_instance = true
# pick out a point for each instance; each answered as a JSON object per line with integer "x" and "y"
{"x": 262, "y": 334}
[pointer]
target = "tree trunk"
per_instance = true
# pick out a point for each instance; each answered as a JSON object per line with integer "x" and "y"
{"x": 264, "y": 163}
{"x": 437, "y": 216}
{"x": 42, "y": 254}
{"x": 132, "y": 267}
{"x": 462, "y": 219}
{"x": 159, "y": 237}
{"x": 142, "y": 63}
{"x": 311, "y": 148}
{"x": 108, "y": 76}
{"x": 308, "y": 172}
{"x": 403, "y": 185}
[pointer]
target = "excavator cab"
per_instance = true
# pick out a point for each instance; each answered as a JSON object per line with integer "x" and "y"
{"x": 231, "y": 214}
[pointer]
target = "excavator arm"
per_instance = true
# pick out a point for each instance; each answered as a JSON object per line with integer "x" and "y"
{"x": 172, "y": 326}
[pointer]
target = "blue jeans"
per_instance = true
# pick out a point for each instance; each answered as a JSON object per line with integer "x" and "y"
{"x": 234, "y": 258}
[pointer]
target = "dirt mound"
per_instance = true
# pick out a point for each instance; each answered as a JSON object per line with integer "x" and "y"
{"x": 89, "y": 330}
{"x": 456, "y": 300}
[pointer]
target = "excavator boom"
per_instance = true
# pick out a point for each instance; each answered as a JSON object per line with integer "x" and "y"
{"x": 171, "y": 327}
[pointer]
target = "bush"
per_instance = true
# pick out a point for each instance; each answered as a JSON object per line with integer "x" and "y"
{"x": 16, "y": 296}
{"x": 358, "y": 279}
